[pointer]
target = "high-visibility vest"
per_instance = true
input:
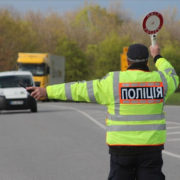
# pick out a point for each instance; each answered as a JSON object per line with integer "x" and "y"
{"x": 134, "y": 100}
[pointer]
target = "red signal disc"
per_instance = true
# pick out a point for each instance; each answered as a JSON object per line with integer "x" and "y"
{"x": 153, "y": 22}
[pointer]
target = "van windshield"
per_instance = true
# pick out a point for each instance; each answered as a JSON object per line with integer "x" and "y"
{"x": 15, "y": 81}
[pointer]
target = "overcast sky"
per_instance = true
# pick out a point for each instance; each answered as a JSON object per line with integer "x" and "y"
{"x": 136, "y": 8}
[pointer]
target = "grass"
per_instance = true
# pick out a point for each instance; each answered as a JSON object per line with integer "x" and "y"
{"x": 174, "y": 99}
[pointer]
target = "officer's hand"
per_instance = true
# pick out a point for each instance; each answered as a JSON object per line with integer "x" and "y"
{"x": 154, "y": 50}
{"x": 37, "y": 92}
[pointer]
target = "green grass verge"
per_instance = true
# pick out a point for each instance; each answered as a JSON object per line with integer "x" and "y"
{"x": 174, "y": 99}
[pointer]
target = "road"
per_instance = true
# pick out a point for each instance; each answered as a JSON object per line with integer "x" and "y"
{"x": 66, "y": 141}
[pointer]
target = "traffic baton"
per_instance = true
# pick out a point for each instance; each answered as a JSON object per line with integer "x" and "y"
{"x": 152, "y": 23}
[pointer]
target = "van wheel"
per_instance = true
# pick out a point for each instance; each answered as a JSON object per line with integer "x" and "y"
{"x": 34, "y": 107}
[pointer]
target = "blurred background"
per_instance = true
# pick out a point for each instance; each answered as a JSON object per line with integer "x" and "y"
{"x": 90, "y": 34}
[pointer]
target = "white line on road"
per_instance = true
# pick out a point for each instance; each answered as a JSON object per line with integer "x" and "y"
{"x": 173, "y": 139}
{"x": 172, "y": 122}
{"x": 171, "y": 133}
{"x": 176, "y": 127}
{"x": 92, "y": 119}
{"x": 86, "y": 115}
{"x": 104, "y": 127}
{"x": 171, "y": 154}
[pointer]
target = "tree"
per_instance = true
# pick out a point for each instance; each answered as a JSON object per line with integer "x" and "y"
{"x": 91, "y": 24}
{"x": 171, "y": 52}
{"x": 106, "y": 54}
{"x": 16, "y": 36}
{"x": 48, "y": 30}
{"x": 76, "y": 64}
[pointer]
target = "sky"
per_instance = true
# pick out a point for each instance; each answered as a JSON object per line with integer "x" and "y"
{"x": 135, "y": 8}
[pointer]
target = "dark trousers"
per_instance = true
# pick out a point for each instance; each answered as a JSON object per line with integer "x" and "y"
{"x": 136, "y": 167}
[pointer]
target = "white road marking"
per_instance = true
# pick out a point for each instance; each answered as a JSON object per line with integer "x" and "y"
{"x": 176, "y": 127}
{"x": 104, "y": 127}
{"x": 86, "y": 115}
{"x": 171, "y": 133}
{"x": 171, "y": 154}
{"x": 91, "y": 118}
{"x": 173, "y": 139}
{"x": 172, "y": 122}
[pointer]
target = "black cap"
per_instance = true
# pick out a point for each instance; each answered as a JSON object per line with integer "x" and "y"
{"x": 137, "y": 53}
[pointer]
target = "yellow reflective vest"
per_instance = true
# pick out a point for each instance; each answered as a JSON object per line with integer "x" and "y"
{"x": 134, "y": 100}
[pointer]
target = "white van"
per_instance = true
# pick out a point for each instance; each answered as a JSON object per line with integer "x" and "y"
{"x": 13, "y": 95}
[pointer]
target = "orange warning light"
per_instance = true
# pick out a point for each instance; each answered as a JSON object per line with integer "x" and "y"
{"x": 123, "y": 57}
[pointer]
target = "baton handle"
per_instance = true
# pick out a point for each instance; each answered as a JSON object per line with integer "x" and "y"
{"x": 153, "y": 39}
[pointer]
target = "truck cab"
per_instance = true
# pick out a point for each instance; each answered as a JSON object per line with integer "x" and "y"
{"x": 46, "y": 68}
{"x": 40, "y": 72}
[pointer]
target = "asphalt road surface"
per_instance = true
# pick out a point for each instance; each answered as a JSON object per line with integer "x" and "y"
{"x": 66, "y": 141}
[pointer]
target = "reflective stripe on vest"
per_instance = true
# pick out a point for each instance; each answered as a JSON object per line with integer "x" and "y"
{"x": 146, "y": 127}
{"x": 173, "y": 73}
{"x": 165, "y": 84}
{"x": 116, "y": 92}
{"x": 68, "y": 90}
{"x": 91, "y": 91}
{"x": 135, "y": 117}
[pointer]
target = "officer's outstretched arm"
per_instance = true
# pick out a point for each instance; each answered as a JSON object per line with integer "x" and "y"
{"x": 88, "y": 91}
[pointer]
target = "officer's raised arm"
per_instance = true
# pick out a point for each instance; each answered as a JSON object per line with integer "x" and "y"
{"x": 166, "y": 70}
{"x": 154, "y": 50}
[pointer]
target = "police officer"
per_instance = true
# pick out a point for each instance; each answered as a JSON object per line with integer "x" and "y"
{"x": 136, "y": 126}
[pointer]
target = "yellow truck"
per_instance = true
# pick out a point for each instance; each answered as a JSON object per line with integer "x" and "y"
{"x": 46, "y": 68}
